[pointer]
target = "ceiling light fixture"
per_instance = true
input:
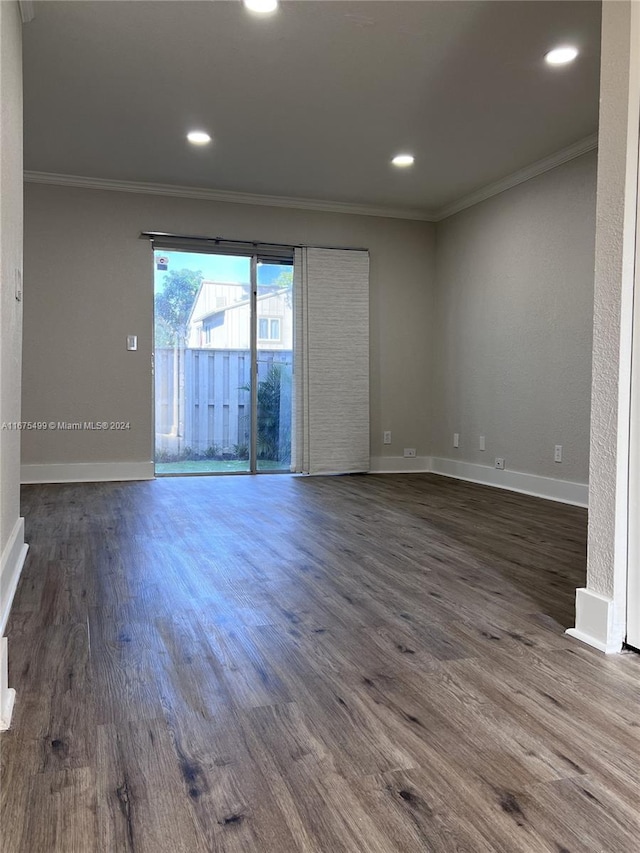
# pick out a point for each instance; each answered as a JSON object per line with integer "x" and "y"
{"x": 198, "y": 137}
{"x": 403, "y": 160}
{"x": 262, "y": 7}
{"x": 561, "y": 55}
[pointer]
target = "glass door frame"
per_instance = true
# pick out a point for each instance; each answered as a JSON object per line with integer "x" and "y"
{"x": 254, "y": 257}
{"x": 253, "y": 429}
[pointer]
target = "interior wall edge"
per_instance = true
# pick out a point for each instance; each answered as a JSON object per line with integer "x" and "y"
{"x": 7, "y": 694}
{"x": 11, "y": 564}
{"x": 595, "y": 622}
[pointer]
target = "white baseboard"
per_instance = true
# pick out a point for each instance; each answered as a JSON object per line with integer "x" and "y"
{"x": 7, "y": 694}
{"x": 400, "y": 465}
{"x": 11, "y": 563}
{"x": 562, "y": 491}
{"x": 594, "y": 622}
{"x": 87, "y": 472}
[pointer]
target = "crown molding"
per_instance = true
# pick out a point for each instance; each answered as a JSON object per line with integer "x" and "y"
{"x": 579, "y": 148}
{"x": 227, "y": 196}
{"x": 532, "y": 171}
{"x": 27, "y": 10}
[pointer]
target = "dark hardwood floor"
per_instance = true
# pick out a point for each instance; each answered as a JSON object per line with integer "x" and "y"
{"x": 277, "y": 664}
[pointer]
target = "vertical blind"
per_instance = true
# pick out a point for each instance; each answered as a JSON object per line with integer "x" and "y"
{"x": 331, "y": 357}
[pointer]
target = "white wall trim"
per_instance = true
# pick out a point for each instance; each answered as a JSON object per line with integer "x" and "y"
{"x": 400, "y": 465}
{"x": 594, "y": 622}
{"x": 11, "y": 563}
{"x": 7, "y": 694}
{"x": 227, "y": 196}
{"x": 87, "y": 472}
{"x": 532, "y": 171}
{"x": 562, "y": 491}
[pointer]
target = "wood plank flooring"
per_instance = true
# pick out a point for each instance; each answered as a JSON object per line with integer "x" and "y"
{"x": 364, "y": 664}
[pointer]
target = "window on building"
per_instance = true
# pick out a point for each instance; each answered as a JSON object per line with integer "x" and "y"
{"x": 269, "y": 329}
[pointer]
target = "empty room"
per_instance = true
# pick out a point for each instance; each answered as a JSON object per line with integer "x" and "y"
{"x": 320, "y": 439}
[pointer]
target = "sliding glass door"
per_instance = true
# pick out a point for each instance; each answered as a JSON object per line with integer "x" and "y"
{"x": 274, "y": 346}
{"x": 223, "y": 362}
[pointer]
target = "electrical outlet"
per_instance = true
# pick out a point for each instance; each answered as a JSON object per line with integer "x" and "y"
{"x": 386, "y": 437}
{"x": 482, "y": 445}
{"x": 456, "y": 439}
{"x": 499, "y": 462}
{"x": 557, "y": 456}
{"x": 410, "y": 452}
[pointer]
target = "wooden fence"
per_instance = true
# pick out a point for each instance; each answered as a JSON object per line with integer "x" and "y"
{"x": 203, "y": 403}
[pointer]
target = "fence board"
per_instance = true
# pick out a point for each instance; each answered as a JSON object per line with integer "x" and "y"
{"x": 218, "y": 398}
{"x": 215, "y": 406}
{"x": 203, "y": 408}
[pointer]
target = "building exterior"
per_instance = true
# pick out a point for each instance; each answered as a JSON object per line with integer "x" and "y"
{"x": 221, "y": 316}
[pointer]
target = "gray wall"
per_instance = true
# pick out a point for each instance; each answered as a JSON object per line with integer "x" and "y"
{"x": 89, "y": 283}
{"x": 514, "y": 307}
{"x": 479, "y": 325}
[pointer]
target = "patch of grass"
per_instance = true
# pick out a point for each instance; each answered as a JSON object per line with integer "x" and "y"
{"x": 214, "y": 466}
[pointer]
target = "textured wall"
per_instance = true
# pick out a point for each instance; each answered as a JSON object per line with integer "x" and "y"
{"x": 513, "y": 325}
{"x": 90, "y": 283}
{"x": 617, "y": 175}
{"x": 10, "y": 261}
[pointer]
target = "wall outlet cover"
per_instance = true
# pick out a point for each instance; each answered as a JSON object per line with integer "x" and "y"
{"x": 386, "y": 437}
{"x": 499, "y": 462}
{"x": 410, "y": 452}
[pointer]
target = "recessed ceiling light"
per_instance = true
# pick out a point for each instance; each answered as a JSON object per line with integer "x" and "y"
{"x": 262, "y": 7}
{"x": 403, "y": 160}
{"x": 561, "y": 55}
{"x": 198, "y": 137}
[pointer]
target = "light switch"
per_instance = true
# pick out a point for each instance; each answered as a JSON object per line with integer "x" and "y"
{"x": 132, "y": 342}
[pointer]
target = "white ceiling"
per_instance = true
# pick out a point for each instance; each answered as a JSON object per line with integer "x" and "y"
{"x": 311, "y": 102}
